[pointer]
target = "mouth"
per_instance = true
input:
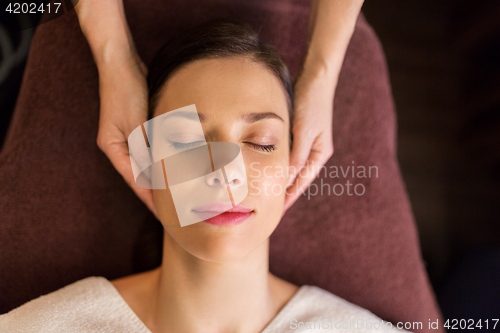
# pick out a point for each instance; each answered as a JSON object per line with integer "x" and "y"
{"x": 223, "y": 214}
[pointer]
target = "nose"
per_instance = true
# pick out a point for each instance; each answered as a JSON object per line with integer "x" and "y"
{"x": 227, "y": 166}
{"x": 227, "y": 175}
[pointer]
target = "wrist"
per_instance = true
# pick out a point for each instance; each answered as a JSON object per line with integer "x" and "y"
{"x": 111, "y": 51}
{"x": 321, "y": 68}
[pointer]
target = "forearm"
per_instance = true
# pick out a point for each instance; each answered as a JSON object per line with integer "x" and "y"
{"x": 122, "y": 75}
{"x": 122, "y": 86}
{"x": 115, "y": 53}
{"x": 331, "y": 25}
{"x": 105, "y": 27}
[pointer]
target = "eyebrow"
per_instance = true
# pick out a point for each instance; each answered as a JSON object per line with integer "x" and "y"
{"x": 254, "y": 117}
{"x": 185, "y": 114}
{"x": 249, "y": 117}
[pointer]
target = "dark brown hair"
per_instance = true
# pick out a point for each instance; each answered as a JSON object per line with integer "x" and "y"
{"x": 215, "y": 39}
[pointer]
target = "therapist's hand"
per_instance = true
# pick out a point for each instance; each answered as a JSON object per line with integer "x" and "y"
{"x": 124, "y": 103}
{"x": 312, "y": 147}
{"x": 122, "y": 83}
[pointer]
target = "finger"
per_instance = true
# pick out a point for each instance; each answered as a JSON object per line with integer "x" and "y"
{"x": 306, "y": 176}
{"x": 299, "y": 155}
{"x": 118, "y": 154}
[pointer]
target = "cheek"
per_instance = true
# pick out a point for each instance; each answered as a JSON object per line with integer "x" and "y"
{"x": 267, "y": 179}
{"x": 165, "y": 207}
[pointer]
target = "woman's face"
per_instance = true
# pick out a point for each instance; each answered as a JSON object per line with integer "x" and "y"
{"x": 242, "y": 102}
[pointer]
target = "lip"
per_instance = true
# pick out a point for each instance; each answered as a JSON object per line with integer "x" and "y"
{"x": 227, "y": 214}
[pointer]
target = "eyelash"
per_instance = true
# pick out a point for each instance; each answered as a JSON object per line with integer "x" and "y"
{"x": 189, "y": 145}
{"x": 265, "y": 148}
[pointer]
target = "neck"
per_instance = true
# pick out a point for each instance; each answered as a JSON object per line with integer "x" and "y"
{"x": 195, "y": 295}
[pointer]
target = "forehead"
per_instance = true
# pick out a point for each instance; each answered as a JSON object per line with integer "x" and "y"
{"x": 218, "y": 85}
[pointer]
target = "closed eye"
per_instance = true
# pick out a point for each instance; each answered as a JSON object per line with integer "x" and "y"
{"x": 265, "y": 148}
{"x": 190, "y": 145}
{"x": 187, "y": 145}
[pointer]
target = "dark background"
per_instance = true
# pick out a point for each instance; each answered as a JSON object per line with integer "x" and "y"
{"x": 444, "y": 63}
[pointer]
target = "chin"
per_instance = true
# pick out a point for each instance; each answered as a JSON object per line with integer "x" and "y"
{"x": 226, "y": 243}
{"x": 221, "y": 249}
{"x": 215, "y": 244}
